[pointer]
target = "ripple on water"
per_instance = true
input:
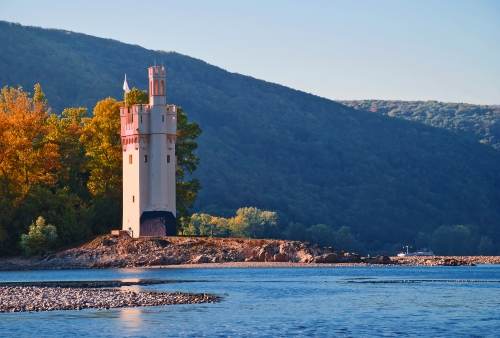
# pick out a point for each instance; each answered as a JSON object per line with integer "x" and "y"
{"x": 283, "y": 302}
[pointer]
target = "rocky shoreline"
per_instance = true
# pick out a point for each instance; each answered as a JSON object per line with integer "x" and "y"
{"x": 35, "y": 298}
{"x": 124, "y": 252}
{"x": 164, "y": 252}
{"x": 445, "y": 260}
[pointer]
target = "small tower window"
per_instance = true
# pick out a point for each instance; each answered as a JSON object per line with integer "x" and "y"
{"x": 133, "y": 199}
{"x": 130, "y": 159}
{"x": 168, "y": 158}
{"x": 141, "y": 118}
{"x": 163, "y": 118}
{"x": 145, "y": 158}
{"x": 151, "y": 88}
{"x": 156, "y": 87}
{"x": 162, "y": 88}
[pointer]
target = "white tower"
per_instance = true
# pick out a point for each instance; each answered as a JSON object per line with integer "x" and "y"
{"x": 148, "y": 138}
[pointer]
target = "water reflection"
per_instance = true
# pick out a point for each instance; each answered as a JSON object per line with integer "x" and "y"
{"x": 131, "y": 318}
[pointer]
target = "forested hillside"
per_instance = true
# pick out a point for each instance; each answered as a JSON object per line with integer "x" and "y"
{"x": 313, "y": 160}
{"x": 477, "y": 122}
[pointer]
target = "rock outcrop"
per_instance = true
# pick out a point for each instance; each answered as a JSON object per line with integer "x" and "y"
{"x": 124, "y": 252}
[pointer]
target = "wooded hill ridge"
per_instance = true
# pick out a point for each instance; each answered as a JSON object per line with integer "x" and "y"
{"x": 315, "y": 161}
{"x": 477, "y": 122}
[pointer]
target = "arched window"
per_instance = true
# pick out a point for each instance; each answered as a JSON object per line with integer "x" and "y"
{"x": 162, "y": 88}
{"x": 156, "y": 87}
{"x": 151, "y": 88}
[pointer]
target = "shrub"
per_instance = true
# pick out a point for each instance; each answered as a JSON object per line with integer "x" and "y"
{"x": 39, "y": 238}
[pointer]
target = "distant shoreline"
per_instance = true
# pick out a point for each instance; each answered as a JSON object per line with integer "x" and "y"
{"x": 419, "y": 262}
{"x": 235, "y": 265}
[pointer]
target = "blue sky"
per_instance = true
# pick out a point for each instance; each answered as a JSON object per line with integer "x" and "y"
{"x": 447, "y": 50}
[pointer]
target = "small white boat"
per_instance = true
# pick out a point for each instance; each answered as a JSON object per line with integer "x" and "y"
{"x": 421, "y": 252}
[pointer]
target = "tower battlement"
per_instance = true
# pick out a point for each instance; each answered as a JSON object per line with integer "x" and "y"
{"x": 157, "y": 71}
{"x": 135, "y": 109}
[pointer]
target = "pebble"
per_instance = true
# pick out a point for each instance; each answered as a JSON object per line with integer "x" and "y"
{"x": 35, "y": 298}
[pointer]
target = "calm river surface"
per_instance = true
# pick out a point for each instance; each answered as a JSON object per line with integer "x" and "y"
{"x": 283, "y": 302}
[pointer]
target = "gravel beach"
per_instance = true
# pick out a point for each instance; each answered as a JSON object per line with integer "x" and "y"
{"x": 35, "y": 298}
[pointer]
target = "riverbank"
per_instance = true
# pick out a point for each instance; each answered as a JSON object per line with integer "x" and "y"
{"x": 124, "y": 252}
{"x": 173, "y": 252}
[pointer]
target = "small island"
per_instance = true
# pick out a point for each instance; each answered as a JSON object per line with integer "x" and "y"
{"x": 121, "y": 251}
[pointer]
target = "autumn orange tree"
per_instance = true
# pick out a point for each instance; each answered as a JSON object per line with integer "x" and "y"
{"x": 27, "y": 157}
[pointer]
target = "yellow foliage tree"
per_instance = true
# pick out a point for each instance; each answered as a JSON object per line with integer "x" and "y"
{"x": 103, "y": 148}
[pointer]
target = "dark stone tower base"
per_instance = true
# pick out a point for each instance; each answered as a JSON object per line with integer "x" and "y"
{"x": 157, "y": 223}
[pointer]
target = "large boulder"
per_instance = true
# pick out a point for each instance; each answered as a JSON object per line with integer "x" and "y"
{"x": 200, "y": 260}
{"x": 306, "y": 258}
{"x": 246, "y": 253}
{"x": 350, "y": 257}
{"x": 379, "y": 259}
{"x": 279, "y": 257}
{"x": 266, "y": 253}
{"x": 326, "y": 258}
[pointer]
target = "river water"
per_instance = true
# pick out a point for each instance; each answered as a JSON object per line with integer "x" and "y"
{"x": 284, "y": 302}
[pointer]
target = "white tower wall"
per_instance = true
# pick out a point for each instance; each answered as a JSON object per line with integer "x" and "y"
{"x": 148, "y": 139}
{"x": 171, "y": 119}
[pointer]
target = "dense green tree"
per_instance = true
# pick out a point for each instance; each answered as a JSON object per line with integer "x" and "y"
{"x": 249, "y": 222}
{"x": 423, "y": 240}
{"x": 296, "y": 232}
{"x": 485, "y": 247}
{"x": 39, "y": 238}
{"x": 252, "y": 222}
{"x": 187, "y": 187}
{"x": 200, "y": 225}
{"x": 454, "y": 240}
{"x": 323, "y": 235}
{"x": 66, "y": 131}
{"x": 347, "y": 242}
